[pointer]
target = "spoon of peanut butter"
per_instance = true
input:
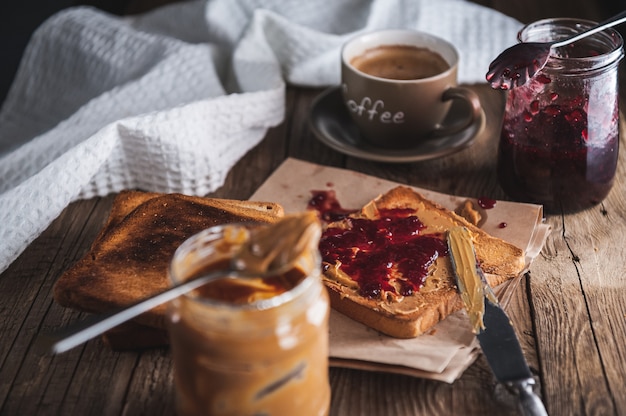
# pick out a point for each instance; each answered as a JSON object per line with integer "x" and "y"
{"x": 277, "y": 247}
{"x": 263, "y": 251}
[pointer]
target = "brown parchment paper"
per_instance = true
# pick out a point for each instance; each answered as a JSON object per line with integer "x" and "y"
{"x": 450, "y": 347}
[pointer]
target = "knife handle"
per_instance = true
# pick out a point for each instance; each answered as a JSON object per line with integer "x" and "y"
{"x": 530, "y": 404}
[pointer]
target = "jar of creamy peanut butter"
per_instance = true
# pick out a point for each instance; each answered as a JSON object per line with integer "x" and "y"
{"x": 248, "y": 346}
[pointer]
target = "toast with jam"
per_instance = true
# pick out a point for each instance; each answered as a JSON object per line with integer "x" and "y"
{"x": 129, "y": 258}
{"x": 387, "y": 265}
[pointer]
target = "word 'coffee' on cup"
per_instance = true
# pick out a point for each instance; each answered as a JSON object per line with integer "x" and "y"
{"x": 374, "y": 110}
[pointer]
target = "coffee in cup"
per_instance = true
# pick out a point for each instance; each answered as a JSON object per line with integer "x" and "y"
{"x": 398, "y": 86}
{"x": 402, "y": 62}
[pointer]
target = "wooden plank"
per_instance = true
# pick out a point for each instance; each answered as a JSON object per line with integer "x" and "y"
{"x": 475, "y": 393}
{"x": 151, "y": 391}
{"x": 28, "y": 287}
{"x": 568, "y": 350}
{"x": 99, "y": 382}
{"x": 302, "y": 142}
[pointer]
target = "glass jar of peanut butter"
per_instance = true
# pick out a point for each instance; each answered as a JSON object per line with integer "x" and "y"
{"x": 248, "y": 346}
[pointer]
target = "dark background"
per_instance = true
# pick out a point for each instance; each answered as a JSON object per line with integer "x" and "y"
{"x": 19, "y": 18}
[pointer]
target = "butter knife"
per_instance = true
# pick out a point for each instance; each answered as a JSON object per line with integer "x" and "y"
{"x": 492, "y": 326}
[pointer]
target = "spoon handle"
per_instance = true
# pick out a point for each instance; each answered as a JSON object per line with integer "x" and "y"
{"x": 610, "y": 22}
{"x": 93, "y": 326}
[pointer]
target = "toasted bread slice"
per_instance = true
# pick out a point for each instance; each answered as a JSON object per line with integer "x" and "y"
{"x": 126, "y": 201}
{"x": 395, "y": 301}
{"x": 129, "y": 259}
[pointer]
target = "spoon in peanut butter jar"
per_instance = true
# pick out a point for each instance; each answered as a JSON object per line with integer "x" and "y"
{"x": 266, "y": 250}
{"x": 519, "y": 63}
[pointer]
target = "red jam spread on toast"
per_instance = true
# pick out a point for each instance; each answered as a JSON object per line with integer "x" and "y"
{"x": 377, "y": 252}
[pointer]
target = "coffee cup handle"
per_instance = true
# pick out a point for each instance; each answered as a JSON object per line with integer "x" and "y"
{"x": 471, "y": 99}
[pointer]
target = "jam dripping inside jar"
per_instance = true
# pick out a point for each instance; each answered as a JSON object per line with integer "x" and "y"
{"x": 372, "y": 252}
{"x": 560, "y": 135}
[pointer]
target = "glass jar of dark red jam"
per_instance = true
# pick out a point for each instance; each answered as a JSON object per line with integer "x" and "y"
{"x": 560, "y": 133}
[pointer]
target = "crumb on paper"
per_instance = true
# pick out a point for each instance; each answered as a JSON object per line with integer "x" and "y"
{"x": 468, "y": 212}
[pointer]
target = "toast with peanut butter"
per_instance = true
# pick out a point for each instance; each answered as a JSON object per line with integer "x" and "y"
{"x": 129, "y": 259}
{"x": 387, "y": 265}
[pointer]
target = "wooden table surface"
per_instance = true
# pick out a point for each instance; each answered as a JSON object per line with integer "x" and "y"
{"x": 569, "y": 311}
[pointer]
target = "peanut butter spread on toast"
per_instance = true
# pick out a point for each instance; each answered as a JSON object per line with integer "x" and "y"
{"x": 395, "y": 292}
{"x": 388, "y": 265}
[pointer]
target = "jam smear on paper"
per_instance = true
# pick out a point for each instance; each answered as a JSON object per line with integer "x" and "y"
{"x": 329, "y": 208}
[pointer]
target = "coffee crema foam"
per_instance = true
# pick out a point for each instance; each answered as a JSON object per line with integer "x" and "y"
{"x": 403, "y": 62}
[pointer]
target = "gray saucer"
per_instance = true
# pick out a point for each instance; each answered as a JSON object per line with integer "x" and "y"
{"x": 332, "y": 125}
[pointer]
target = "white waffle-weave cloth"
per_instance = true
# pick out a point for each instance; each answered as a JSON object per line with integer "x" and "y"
{"x": 170, "y": 100}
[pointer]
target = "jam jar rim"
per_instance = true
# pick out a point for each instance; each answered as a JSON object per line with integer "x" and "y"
{"x": 214, "y": 233}
{"x": 614, "y": 53}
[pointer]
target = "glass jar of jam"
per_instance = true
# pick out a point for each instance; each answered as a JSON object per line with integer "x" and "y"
{"x": 248, "y": 346}
{"x": 560, "y": 133}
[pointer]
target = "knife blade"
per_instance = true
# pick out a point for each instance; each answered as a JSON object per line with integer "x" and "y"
{"x": 493, "y": 328}
{"x": 506, "y": 358}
